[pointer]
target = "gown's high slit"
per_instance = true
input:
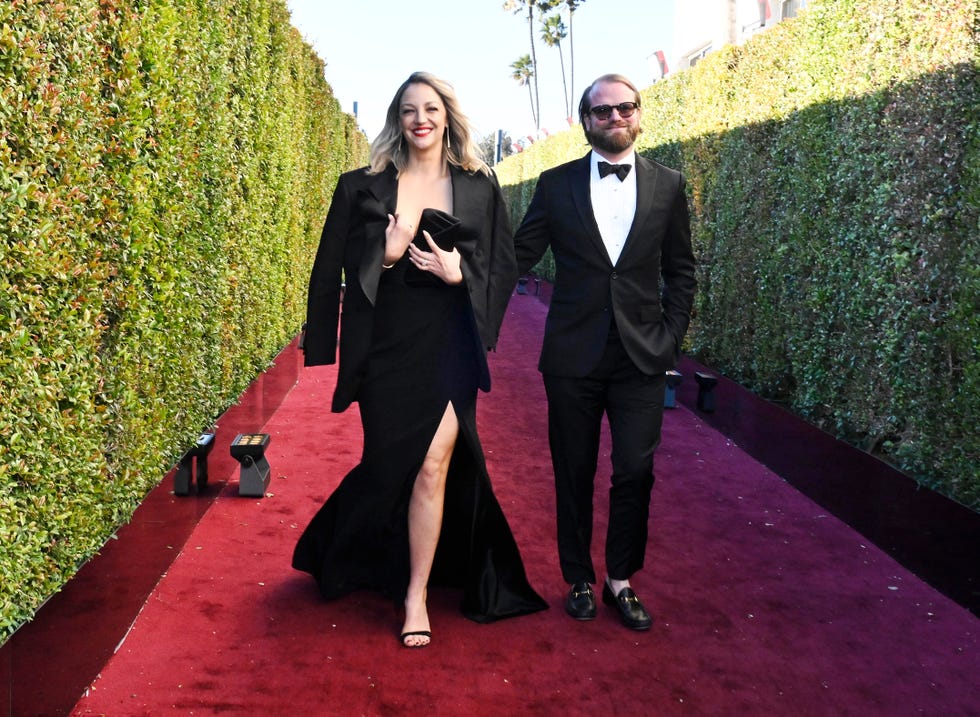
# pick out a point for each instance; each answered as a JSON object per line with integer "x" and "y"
{"x": 425, "y": 355}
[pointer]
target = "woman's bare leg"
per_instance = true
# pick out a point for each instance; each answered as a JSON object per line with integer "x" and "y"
{"x": 425, "y": 523}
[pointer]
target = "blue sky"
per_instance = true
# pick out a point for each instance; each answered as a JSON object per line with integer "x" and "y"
{"x": 371, "y": 46}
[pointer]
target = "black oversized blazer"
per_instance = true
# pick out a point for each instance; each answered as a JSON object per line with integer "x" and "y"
{"x": 352, "y": 250}
{"x": 650, "y": 289}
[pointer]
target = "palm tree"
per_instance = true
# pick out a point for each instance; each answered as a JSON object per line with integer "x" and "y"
{"x": 572, "y": 6}
{"x": 519, "y": 7}
{"x": 553, "y": 32}
{"x": 523, "y": 72}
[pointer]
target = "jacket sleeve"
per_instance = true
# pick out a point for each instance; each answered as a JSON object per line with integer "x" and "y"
{"x": 534, "y": 234}
{"x": 323, "y": 299}
{"x": 503, "y": 265}
{"x": 678, "y": 268}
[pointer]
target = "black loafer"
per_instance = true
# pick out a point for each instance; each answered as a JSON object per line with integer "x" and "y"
{"x": 629, "y": 607}
{"x": 580, "y": 602}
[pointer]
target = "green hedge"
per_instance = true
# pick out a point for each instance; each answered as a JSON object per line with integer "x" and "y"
{"x": 165, "y": 168}
{"x": 834, "y": 173}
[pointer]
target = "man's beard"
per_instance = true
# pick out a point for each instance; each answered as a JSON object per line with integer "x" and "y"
{"x": 615, "y": 142}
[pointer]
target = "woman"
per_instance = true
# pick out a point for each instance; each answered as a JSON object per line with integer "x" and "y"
{"x": 422, "y": 242}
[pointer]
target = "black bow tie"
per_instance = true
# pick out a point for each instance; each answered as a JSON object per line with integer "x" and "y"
{"x": 620, "y": 170}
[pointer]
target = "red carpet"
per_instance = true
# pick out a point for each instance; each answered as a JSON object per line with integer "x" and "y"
{"x": 763, "y": 603}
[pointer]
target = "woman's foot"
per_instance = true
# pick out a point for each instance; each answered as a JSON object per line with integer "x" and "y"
{"x": 416, "y": 638}
{"x": 415, "y": 631}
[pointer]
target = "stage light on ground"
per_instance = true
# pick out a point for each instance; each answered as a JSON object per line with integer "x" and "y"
{"x": 706, "y": 391}
{"x": 249, "y": 450}
{"x": 522, "y": 285}
{"x": 184, "y": 476}
{"x": 673, "y": 380}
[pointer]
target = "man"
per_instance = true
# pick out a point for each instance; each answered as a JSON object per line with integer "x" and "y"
{"x": 619, "y": 229}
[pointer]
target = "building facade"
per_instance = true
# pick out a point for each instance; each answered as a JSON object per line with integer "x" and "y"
{"x": 703, "y": 26}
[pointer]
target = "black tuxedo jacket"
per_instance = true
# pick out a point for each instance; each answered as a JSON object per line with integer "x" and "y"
{"x": 352, "y": 249}
{"x": 649, "y": 291}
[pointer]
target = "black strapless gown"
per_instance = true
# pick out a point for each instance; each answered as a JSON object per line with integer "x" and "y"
{"x": 425, "y": 355}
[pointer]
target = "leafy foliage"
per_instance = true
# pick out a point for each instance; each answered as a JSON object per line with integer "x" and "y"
{"x": 833, "y": 166}
{"x": 165, "y": 169}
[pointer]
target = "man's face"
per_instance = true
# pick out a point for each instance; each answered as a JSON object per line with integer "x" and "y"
{"x": 615, "y": 134}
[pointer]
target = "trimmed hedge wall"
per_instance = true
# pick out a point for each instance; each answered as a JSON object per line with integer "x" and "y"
{"x": 834, "y": 174}
{"x": 165, "y": 168}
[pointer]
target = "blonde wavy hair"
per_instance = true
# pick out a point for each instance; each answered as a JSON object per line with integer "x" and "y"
{"x": 463, "y": 151}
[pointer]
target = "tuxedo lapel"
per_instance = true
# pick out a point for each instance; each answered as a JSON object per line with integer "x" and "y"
{"x": 382, "y": 190}
{"x": 468, "y": 201}
{"x": 580, "y": 181}
{"x": 646, "y": 186}
{"x": 383, "y": 187}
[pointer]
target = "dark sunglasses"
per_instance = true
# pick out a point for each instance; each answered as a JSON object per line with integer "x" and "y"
{"x": 604, "y": 112}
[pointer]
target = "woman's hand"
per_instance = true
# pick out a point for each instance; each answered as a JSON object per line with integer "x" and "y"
{"x": 443, "y": 264}
{"x": 398, "y": 235}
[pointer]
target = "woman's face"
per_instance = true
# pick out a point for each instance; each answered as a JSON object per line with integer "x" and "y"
{"x": 423, "y": 117}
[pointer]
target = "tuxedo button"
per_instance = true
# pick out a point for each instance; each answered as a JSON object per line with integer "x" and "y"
{"x": 615, "y": 275}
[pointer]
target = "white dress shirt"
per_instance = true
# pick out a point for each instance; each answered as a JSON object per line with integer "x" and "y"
{"x": 613, "y": 204}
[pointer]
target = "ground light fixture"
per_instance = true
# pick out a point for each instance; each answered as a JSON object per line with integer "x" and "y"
{"x": 184, "y": 477}
{"x": 249, "y": 450}
{"x": 672, "y": 381}
{"x": 706, "y": 391}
